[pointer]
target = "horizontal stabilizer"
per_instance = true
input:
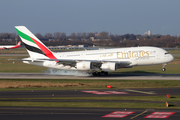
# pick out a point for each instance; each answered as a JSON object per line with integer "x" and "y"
{"x": 27, "y": 60}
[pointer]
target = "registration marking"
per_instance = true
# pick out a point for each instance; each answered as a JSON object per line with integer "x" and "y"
{"x": 118, "y": 114}
{"x": 159, "y": 115}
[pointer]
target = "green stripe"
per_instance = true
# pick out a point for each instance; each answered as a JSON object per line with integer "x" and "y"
{"x": 24, "y": 36}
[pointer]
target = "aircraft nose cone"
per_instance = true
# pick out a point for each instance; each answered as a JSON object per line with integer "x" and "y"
{"x": 171, "y": 58}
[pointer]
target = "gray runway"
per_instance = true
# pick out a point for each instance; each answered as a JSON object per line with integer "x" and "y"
{"x": 80, "y": 93}
{"x": 48, "y": 113}
{"x": 123, "y": 76}
{"x": 43, "y": 113}
{"x": 39, "y": 95}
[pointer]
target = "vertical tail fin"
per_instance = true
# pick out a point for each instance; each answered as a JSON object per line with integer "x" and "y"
{"x": 34, "y": 46}
{"x": 19, "y": 43}
{"x": 16, "y": 46}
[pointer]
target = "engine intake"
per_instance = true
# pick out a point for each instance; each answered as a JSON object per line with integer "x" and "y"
{"x": 109, "y": 67}
{"x": 84, "y": 66}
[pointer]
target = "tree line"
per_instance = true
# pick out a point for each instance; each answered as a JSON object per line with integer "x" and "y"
{"x": 103, "y": 39}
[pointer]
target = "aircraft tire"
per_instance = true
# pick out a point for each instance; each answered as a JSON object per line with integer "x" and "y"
{"x": 106, "y": 73}
{"x": 94, "y": 74}
{"x": 102, "y": 73}
{"x": 99, "y": 73}
{"x": 164, "y": 69}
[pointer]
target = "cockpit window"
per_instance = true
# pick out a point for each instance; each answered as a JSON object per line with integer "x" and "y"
{"x": 166, "y": 53}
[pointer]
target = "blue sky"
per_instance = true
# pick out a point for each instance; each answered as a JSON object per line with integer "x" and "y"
{"x": 114, "y": 16}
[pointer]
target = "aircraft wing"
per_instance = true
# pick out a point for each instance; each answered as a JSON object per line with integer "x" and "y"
{"x": 72, "y": 62}
{"x": 78, "y": 60}
{"x": 95, "y": 62}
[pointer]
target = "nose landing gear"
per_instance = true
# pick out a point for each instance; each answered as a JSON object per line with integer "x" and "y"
{"x": 163, "y": 68}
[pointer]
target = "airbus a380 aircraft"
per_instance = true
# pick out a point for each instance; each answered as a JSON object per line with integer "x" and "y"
{"x": 10, "y": 46}
{"x": 92, "y": 60}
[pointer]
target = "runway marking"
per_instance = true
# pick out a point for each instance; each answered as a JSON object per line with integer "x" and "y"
{"x": 159, "y": 115}
{"x": 105, "y": 92}
{"x": 140, "y": 91}
{"x": 138, "y": 114}
{"x": 118, "y": 114}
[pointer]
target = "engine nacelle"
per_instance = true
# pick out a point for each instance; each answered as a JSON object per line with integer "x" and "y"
{"x": 109, "y": 67}
{"x": 84, "y": 66}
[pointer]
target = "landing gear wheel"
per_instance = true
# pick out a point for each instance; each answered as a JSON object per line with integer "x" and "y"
{"x": 94, "y": 73}
{"x": 106, "y": 73}
{"x": 99, "y": 73}
{"x": 164, "y": 69}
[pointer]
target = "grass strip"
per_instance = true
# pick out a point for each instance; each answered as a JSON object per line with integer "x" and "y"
{"x": 136, "y": 98}
{"x": 86, "y": 104}
{"x": 66, "y": 84}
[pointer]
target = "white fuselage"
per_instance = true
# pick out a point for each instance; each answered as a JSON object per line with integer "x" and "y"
{"x": 11, "y": 46}
{"x": 6, "y": 47}
{"x": 122, "y": 57}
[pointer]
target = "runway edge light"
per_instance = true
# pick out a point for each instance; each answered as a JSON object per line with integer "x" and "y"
{"x": 168, "y": 96}
{"x": 108, "y": 86}
{"x": 167, "y": 105}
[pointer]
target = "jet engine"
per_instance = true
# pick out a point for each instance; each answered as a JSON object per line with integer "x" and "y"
{"x": 109, "y": 67}
{"x": 84, "y": 66}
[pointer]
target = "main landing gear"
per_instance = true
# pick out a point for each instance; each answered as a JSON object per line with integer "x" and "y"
{"x": 100, "y": 73}
{"x": 163, "y": 68}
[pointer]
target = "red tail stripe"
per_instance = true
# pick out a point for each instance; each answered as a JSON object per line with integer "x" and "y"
{"x": 48, "y": 53}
